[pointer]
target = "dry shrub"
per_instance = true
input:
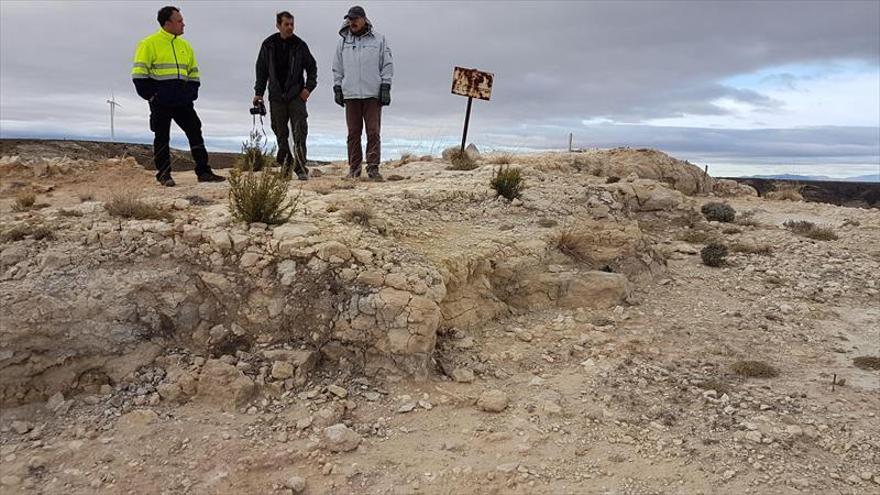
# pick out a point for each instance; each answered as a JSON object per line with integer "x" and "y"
{"x": 345, "y": 184}
{"x": 507, "y": 182}
{"x": 811, "y": 230}
{"x": 754, "y": 369}
{"x": 460, "y": 160}
{"x": 426, "y": 158}
{"x": 714, "y": 254}
{"x": 574, "y": 243}
{"x": 70, "y": 213}
{"x": 259, "y": 197}
{"x": 746, "y": 218}
{"x": 718, "y": 212}
{"x": 867, "y": 362}
{"x": 698, "y": 236}
{"x": 748, "y": 248}
{"x": 127, "y": 205}
{"x": 501, "y": 159}
{"x": 332, "y": 208}
{"x": 786, "y": 192}
{"x": 21, "y": 231}
{"x": 360, "y": 215}
{"x": 24, "y": 202}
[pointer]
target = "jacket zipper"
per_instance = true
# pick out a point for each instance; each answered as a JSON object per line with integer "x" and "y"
{"x": 176, "y": 63}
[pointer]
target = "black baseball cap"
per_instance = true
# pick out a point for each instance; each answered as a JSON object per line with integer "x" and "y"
{"x": 354, "y": 12}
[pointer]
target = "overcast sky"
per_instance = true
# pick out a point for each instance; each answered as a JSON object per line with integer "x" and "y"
{"x": 745, "y": 87}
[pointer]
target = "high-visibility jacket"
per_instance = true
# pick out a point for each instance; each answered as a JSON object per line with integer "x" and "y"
{"x": 165, "y": 71}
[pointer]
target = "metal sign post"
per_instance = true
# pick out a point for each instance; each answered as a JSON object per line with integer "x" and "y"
{"x": 473, "y": 84}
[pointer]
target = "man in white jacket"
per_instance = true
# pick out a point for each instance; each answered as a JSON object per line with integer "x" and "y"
{"x": 362, "y": 72}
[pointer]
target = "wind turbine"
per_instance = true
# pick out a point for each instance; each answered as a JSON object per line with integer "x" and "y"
{"x": 113, "y": 105}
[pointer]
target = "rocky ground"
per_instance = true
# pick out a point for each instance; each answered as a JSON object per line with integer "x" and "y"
{"x": 525, "y": 370}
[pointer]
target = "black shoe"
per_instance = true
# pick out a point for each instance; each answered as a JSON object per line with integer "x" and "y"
{"x": 302, "y": 176}
{"x": 375, "y": 176}
{"x": 211, "y": 177}
{"x": 167, "y": 182}
{"x": 353, "y": 174}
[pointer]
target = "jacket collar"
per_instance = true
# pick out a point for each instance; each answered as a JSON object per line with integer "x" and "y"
{"x": 166, "y": 35}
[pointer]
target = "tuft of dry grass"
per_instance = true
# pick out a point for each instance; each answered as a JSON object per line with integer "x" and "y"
{"x": 698, "y": 236}
{"x": 786, "y": 192}
{"x": 125, "y": 205}
{"x": 359, "y": 215}
{"x": 24, "y": 202}
{"x": 573, "y": 242}
{"x": 501, "y": 159}
{"x": 754, "y": 369}
{"x": 406, "y": 158}
{"x": 322, "y": 188}
{"x": 460, "y": 160}
{"x": 70, "y": 213}
{"x": 748, "y": 248}
{"x": 867, "y": 362}
{"x": 746, "y": 219}
{"x": 811, "y": 230}
{"x": 22, "y": 231}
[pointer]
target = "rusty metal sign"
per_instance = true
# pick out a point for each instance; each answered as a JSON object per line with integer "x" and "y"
{"x": 472, "y": 83}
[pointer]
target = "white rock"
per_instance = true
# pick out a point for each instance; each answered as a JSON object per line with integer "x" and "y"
{"x": 340, "y": 438}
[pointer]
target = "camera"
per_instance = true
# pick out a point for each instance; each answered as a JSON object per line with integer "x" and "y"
{"x": 258, "y": 109}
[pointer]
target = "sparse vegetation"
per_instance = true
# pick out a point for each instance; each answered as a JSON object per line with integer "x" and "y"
{"x": 786, "y": 192}
{"x": 70, "y": 213}
{"x": 501, "y": 159}
{"x": 127, "y": 205}
{"x": 406, "y": 158}
{"x": 714, "y": 254}
{"x": 747, "y": 248}
{"x": 259, "y": 196}
{"x": 460, "y": 160}
{"x": 22, "y": 231}
{"x": 718, "y": 212}
{"x": 360, "y": 215}
{"x": 698, "y": 236}
{"x": 867, "y": 362}
{"x": 754, "y": 369}
{"x": 573, "y": 242}
{"x": 809, "y": 229}
{"x": 746, "y": 218}
{"x": 507, "y": 182}
{"x": 24, "y": 202}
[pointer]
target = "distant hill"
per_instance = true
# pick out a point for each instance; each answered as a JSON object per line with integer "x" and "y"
{"x": 818, "y": 178}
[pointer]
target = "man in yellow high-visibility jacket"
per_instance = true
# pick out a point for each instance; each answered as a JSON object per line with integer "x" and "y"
{"x": 165, "y": 73}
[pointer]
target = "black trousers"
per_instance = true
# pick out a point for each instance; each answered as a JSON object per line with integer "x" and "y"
{"x": 188, "y": 120}
{"x": 295, "y": 114}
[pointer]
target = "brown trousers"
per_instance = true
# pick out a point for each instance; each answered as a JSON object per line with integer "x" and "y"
{"x": 358, "y": 113}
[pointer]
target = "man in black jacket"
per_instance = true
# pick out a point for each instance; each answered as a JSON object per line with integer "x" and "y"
{"x": 282, "y": 60}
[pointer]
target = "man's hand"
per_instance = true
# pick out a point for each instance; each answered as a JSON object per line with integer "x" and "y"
{"x": 256, "y": 99}
{"x": 304, "y": 94}
{"x": 385, "y": 94}
{"x": 337, "y": 96}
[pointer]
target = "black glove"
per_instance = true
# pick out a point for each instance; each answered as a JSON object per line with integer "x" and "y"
{"x": 385, "y": 94}
{"x": 337, "y": 96}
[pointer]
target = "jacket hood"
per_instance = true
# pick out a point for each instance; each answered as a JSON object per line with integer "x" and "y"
{"x": 345, "y": 30}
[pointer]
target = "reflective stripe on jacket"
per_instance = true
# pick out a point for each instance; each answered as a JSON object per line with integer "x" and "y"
{"x": 165, "y": 70}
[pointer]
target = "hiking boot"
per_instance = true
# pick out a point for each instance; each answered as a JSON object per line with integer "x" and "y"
{"x": 167, "y": 181}
{"x": 211, "y": 177}
{"x": 302, "y": 176}
{"x": 375, "y": 176}
{"x": 353, "y": 174}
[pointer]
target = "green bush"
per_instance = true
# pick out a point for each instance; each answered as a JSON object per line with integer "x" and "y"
{"x": 714, "y": 254}
{"x": 507, "y": 182}
{"x": 259, "y": 196}
{"x": 718, "y": 212}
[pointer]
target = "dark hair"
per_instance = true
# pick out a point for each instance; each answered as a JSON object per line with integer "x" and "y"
{"x": 165, "y": 14}
{"x": 281, "y": 15}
